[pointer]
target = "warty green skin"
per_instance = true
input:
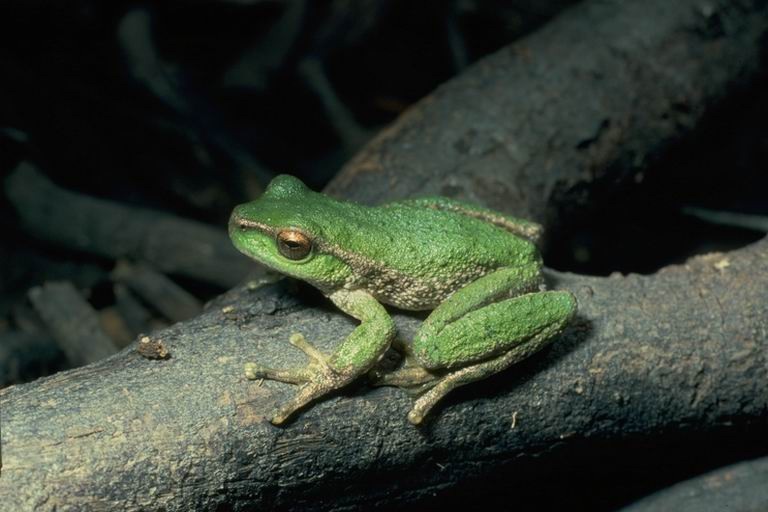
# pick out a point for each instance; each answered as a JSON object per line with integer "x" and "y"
{"x": 478, "y": 270}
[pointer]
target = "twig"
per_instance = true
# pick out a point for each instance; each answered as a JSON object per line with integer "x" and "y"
{"x": 167, "y": 297}
{"x": 72, "y": 322}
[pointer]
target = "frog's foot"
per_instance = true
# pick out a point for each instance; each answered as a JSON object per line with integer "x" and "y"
{"x": 299, "y": 341}
{"x": 307, "y": 393}
{"x": 316, "y": 379}
{"x": 255, "y": 371}
{"x": 457, "y": 378}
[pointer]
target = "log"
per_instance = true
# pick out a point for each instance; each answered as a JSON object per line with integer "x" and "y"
{"x": 680, "y": 353}
{"x": 96, "y": 226}
{"x": 684, "y": 350}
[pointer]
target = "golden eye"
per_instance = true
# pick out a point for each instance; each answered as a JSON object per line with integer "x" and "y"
{"x": 294, "y": 245}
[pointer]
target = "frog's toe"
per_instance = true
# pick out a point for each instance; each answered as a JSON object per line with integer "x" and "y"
{"x": 280, "y": 417}
{"x": 415, "y": 417}
{"x": 255, "y": 371}
{"x": 306, "y": 394}
{"x": 299, "y": 341}
{"x": 375, "y": 376}
{"x": 408, "y": 377}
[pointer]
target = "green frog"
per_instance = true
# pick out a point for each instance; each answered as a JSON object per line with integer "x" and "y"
{"x": 477, "y": 270}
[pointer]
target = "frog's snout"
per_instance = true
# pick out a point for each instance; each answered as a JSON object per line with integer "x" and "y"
{"x": 238, "y": 222}
{"x": 234, "y": 221}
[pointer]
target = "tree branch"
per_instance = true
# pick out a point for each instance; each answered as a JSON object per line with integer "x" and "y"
{"x": 596, "y": 94}
{"x": 171, "y": 244}
{"x": 737, "y": 488}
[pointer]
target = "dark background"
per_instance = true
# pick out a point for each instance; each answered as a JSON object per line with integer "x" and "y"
{"x": 191, "y": 107}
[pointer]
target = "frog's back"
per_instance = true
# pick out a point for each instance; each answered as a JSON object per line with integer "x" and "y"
{"x": 414, "y": 257}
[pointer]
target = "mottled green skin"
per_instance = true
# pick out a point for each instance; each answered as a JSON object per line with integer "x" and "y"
{"x": 474, "y": 267}
{"x": 358, "y": 244}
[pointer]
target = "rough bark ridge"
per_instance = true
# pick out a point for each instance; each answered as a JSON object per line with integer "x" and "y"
{"x": 680, "y": 351}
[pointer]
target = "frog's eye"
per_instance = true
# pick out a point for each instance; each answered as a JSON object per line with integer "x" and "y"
{"x": 293, "y": 244}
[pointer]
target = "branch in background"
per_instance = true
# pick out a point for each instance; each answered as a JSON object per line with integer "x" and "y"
{"x": 135, "y": 316}
{"x": 25, "y": 355}
{"x": 349, "y": 131}
{"x": 73, "y": 323}
{"x": 168, "y": 243}
{"x": 257, "y": 63}
{"x": 170, "y": 299}
{"x": 739, "y": 220}
{"x": 201, "y": 123}
{"x": 740, "y": 487}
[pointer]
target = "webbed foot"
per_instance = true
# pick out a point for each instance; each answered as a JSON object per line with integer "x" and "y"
{"x": 316, "y": 378}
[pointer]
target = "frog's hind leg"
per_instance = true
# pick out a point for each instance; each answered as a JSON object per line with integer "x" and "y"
{"x": 413, "y": 379}
{"x": 487, "y": 340}
{"x": 411, "y": 376}
{"x": 453, "y": 380}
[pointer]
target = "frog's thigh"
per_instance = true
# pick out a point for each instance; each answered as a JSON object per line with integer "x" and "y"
{"x": 518, "y": 327}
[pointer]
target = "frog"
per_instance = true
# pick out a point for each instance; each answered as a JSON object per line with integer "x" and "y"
{"x": 477, "y": 271}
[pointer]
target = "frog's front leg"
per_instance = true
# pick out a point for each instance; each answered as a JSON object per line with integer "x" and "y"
{"x": 356, "y": 355}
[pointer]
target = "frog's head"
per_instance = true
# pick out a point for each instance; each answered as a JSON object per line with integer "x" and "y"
{"x": 278, "y": 231}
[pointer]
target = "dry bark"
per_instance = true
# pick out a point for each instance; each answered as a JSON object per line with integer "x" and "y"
{"x": 682, "y": 351}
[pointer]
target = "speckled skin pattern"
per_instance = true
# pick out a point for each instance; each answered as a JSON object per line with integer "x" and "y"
{"x": 477, "y": 269}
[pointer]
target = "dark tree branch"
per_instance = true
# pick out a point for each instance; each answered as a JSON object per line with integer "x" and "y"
{"x": 171, "y": 244}
{"x": 681, "y": 351}
{"x": 599, "y": 92}
{"x": 170, "y": 299}
{"x": 73, "y": 322}
{"x": 738, "y": 488}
